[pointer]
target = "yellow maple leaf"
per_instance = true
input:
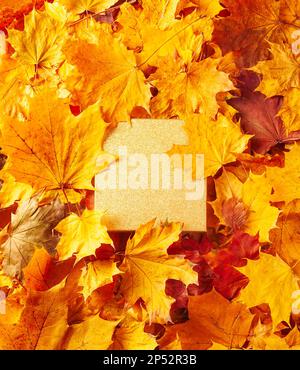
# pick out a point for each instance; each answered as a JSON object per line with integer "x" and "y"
{"x": 93, "y": 333}
{"x": 13, "y": 82}
{"x": 162, "y": 12}
{"x": 140, "y": 33}
{"x": 285, "y": 181}
{"x": 96, "y": 274}
{"x": 186, "y": 88}
{"x": 54, "y": 151}
{"x": 219, "y": 140}
{"x": 107, "y": 72}
{"x": 253, "y": 196}
{"x": 38, "y": 47}
{"x": 81, "y": 235}
{"x": 147, "y": 266}
{"x": 12, "y": 191}
{"x": 130, "y": 335}
{"x": 42, "y": 324}
{"x": 271, "y": 281}
{"x": 280, "y": 73}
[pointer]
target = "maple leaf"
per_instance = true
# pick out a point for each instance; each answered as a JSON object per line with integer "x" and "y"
{"x": 186, "y": 87}
{"x": 218, "y": 140}
{"x": 54, "y": 151}
{"x": 12, "y": 191}
{"x": 30, "y": 226}
{"x": 275, "y": 288}
{"x": 94, "y": 333}
{"x": 14, "y": 83}
{"x": 140, "y": 33}
{"x": 96, "y": 274}
{"x": 289, "y": 111}
{"x": 285, "y": 237}
{"x": 38, "y": 47}
{"x": 107, "y": 72}
{"x": 113, "y": 61}
{"x": 81, "y": 235}
{"x": 87, "y": 6}
{"x": 259, "y": 117}
{"x": 213, "y": 318}
{"x": 254, "y": 195}
{"x": 162, "y": 12}
{"x": 44, "y": 271}
{"x": 130, "y": 335}
{"x": 147, "y": 266}
{"x": 285, "y": 181}
{"x": 281, "y": 72}
{"x": 251, "y": 24}
{"x": 42, "y": 324}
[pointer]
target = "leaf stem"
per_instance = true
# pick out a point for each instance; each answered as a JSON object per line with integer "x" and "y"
{"x": 169, "y": 39}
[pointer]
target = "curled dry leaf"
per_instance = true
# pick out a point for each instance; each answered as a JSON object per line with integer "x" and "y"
{"x": 31, "y": 226}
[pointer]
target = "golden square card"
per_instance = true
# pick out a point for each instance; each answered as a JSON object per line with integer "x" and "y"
{"x": 145, "y": 182}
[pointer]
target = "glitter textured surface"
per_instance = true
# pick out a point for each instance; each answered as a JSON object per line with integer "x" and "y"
{"x": 126, "y": 209}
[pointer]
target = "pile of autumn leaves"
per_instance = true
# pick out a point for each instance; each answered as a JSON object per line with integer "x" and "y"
{"x": 72, "y": 70}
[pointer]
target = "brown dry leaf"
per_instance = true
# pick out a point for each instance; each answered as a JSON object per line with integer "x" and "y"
{"x": 30, "y": 226}
{"x": 252, "y": 23}
{"x": 260, "y": 117}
